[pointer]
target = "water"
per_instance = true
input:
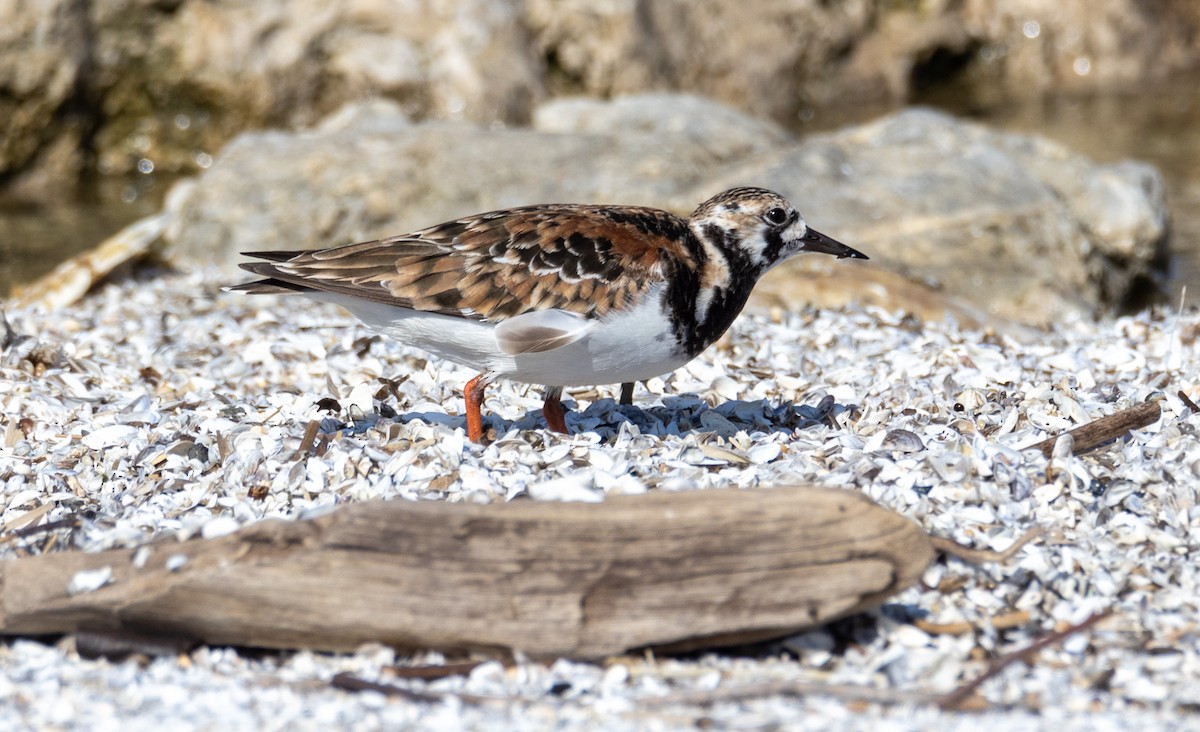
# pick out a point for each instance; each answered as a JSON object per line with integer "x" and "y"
{"x": 37, "y": 235}
{"x": 1158, "y": 124}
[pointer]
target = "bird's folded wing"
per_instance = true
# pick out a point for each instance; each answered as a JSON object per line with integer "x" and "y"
{"x": 588, "y": 260}
{"x": 540, "y": 330}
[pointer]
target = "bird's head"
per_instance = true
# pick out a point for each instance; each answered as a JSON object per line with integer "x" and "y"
{"x": 755, "y": 229}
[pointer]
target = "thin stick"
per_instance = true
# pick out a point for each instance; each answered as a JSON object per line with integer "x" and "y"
{"x": 310, "y": 436}
{"x": 67, "y": 523}
{"x": 350, "y": 682}
{"x": 745, "y": 692}
{"x": 1100, "y": 431}
{"x": 956, "y": 698}
{"x": 1005, "y": 621}
{"x": 435, "y": 672}
{"x": 983, "y": 556}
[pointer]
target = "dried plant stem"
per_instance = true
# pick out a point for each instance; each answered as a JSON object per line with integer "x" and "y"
{"x": 958, "y": 697}
{"x": 983, "y": 556}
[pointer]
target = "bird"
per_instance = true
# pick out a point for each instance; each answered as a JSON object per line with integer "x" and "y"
{"x": 560, "y": 295}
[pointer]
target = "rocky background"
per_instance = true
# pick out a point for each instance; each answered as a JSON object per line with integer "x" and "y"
{"x": 928, "y": 196}
{"x": 107, "y": 85}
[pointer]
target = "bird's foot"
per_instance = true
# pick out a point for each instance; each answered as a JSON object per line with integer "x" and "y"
{"x": 553, "y": 410}
{"x": 473, "y": 392}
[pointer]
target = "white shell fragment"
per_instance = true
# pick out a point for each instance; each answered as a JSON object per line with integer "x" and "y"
{"x": 166, "y": 408}
{"x": 89, "y": 580}
{"x": 117, "y": 434}
{"x": 764, "y": 453}
{"x": 220, "y": 526}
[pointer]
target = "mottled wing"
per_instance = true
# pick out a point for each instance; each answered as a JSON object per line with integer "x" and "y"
{"x": 587, "y": 260}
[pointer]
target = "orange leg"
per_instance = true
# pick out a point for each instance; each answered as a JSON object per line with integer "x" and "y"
{"x": 474, "y": 396}
{"x": 552, "y": 410}
{"x": 627, "y": 393}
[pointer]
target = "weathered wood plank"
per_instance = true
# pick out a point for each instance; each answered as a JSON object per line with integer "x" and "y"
{"x": 679, "y": 570}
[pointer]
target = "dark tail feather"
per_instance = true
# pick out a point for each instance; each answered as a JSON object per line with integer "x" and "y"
{"x": 267, "y": 287}
{"x": 272, "y": 285}
{"x": 276, "y": 281}
{"x": 272, "y": 256}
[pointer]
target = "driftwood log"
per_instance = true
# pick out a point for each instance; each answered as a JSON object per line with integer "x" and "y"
{"x": 669, "y": 570}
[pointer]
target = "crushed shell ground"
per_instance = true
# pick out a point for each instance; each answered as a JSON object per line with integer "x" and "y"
{"x": 163, "y": 406}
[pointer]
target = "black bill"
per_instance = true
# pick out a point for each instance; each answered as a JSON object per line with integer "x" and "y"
{"x": 815, "y": 241}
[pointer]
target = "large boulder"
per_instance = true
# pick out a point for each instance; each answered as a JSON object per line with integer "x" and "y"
{"x": 42, "y": 54}
{"x": 1018, "y": 225}
{"x": 368, "y": 172}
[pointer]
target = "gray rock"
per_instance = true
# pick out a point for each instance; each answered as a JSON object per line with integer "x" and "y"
{"x": 369, "y": 172}
{"x": 1016, "y": 224}
{"x": 726, "y": 132}
{"x": 41, "y": 56}
{"x": 778, "y": 58}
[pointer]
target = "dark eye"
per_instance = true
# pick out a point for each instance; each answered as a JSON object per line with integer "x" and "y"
{"x": 776, "y": 217}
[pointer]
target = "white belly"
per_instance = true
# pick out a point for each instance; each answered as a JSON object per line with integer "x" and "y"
{"x": 630, "y": 346}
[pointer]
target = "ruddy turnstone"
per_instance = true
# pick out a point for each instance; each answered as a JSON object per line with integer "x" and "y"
{"x": 559, "y": 294}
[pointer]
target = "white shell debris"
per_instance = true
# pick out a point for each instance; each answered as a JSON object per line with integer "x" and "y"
{"x": 166, "y": 407}
{"x": 220, "y": 526}
{"x": 116, "y": 434}
{"x": 89, "y": 580}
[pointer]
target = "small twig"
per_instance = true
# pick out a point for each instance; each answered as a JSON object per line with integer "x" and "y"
{"x": 271, "y": 416}
{"x": 310, "y": 436}
{"x": 70, "y": 522}
{"x": 1006, "y": 621}
{"x": 983, "y": 556}
{"x": 1183, "y": 397}
{"x": 959, "y": 696}
{"x": 1100, "y": 431}
{"x": 746, "y": 692}
{"x": 350, "y": 682}
{"x": 441, "y": 671}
